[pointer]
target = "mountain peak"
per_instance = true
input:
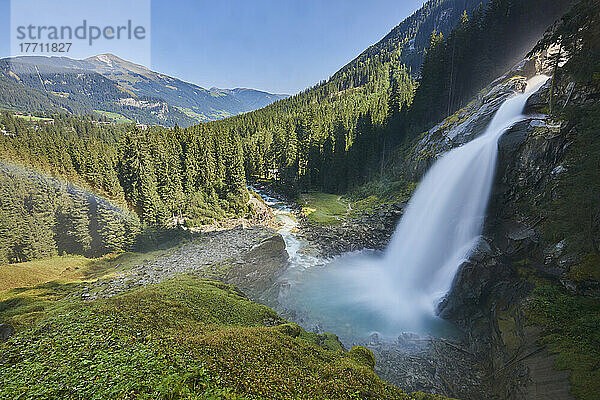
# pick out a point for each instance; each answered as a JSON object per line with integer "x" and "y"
{"x": 113, "y": 62}
{"x": 106, "y": 58}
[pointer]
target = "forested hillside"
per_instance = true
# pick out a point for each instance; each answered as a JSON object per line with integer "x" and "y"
{"x": 48, "y": 89}
{"x": 332, "y": 137}
{"x": 157, "y": 173}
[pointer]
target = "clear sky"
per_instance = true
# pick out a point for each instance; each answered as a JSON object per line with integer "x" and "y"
{"x": 280, "y": 46}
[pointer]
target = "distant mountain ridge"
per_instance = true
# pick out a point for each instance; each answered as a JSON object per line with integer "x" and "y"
{"x": 118, "y": 89}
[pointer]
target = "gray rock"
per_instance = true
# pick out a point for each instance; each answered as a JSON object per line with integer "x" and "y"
{"x": 512, "y": 140}
{"x": 539, "y": 100}
{"x": 521, "y": 232}
{"x": 6, "y": 331}
{"x": 261, "y": 266}
{"x": 463, "y": 126}
{"x": 374, "y": 339}
{"x": 481, "y": 251}
{"x": 234, "y": 248}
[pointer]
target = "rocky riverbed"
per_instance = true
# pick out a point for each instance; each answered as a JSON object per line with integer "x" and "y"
{"x": 371, "y": 230}
{"x": 251, "y": 258}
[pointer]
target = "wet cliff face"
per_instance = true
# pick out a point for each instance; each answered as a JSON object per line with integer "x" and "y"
{"x": 491, "y": 290}
{"x": 470, "y": 121}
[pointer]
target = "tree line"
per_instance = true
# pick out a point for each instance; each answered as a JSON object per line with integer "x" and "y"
{"x": 41, "y": 216}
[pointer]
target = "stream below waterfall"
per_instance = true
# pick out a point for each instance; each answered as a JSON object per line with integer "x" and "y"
{"x": 309, "y": 286}
{"x": 359, "y": 294}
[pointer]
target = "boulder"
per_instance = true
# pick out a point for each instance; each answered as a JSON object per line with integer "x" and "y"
{"x": 514, "y": 138}
{"x": 363, "y": 356}
{"x": 538, "y": 101}
{"x": 260, "y": 266}
{"x": 6, "y": 331}
{"x": 481, "y": 250}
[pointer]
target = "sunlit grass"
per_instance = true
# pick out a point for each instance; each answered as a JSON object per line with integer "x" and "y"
{"x": 323, "y": 208}
{"x": 70, "y": 268}
{"x": 114, "y": 116}
{"x": 184, "y": 338}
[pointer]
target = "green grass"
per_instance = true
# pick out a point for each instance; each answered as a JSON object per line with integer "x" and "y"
{"x": 114, "y": 116}
{"x": 219, "y": 114}
{"x": 185, "y": 338}
{"x": 330, "y": 209}
{"x": 32, "y": 118}
{"x": 372, "y": 194}
{"x": 192, "y": 114}
{"x": 41, "y": 271}
{"x": 323, "y": 208}
{"x": 571, "y": 330}
{"x": 587, "y": 270}
{"x": 28, "y": 290}
{"x": 70, "y": 268}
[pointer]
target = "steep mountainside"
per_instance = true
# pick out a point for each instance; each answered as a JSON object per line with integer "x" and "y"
{"x": 410, "y": 38}
{"x": 118, "y": 89}
{"x": 340, "y": 133}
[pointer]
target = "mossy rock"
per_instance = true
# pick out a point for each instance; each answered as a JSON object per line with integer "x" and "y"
{"x": 290, "y": 329}
{"x": 587, "y": 270}
{"x": 362, "y": 355}
{"x": 328, "y": 341}
{"x": 571, "y": 331}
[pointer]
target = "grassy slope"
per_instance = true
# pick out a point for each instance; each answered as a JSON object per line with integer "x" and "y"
{"x": 41, "y": 271}
{"x": 116, "y": 117}
{"x": 33, "y": 118}
{"x": 186, "y": 338}
{"x": 330, "y": 209}
{"x": 323, "y": 208}
{"x": 69, "y": 268}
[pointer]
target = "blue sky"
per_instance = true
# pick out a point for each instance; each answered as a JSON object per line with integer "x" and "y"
{"x": 280, "y": 46}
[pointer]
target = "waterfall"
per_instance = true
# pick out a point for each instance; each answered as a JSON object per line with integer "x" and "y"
{"x": 445, "y": 216}
{"x": 400, "y": 289}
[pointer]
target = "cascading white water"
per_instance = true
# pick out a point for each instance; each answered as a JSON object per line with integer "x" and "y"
{"x": 399, "y": 290}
